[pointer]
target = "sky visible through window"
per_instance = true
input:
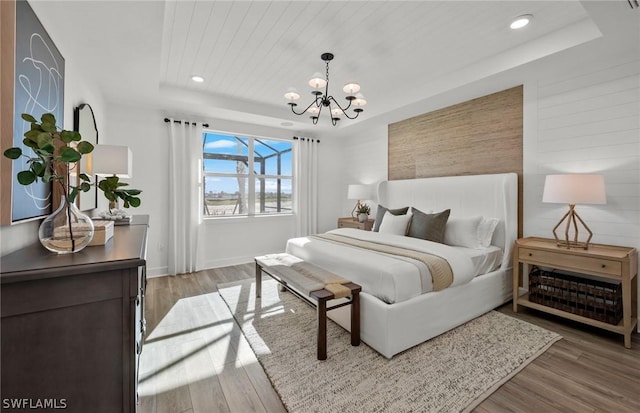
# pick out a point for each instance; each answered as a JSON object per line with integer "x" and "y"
{"x": 234, "y": 145}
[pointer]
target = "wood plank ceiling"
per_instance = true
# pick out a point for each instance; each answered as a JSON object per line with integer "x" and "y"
{"x": 401, "y": 52}
{"x": 255, "y": 50}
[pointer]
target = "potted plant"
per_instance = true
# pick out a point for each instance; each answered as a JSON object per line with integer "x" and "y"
{"x": 363, "y": 211}
{"x": 55, "y": 154}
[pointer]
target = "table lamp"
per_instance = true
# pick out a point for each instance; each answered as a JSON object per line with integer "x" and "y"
{"x": 573, "y": 189}
{"x": 358, "y": 192}
{"x": 113, "y": 160}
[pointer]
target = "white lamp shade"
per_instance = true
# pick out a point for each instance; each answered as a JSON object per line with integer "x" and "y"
{"x": 317, "y": 81}
{"x": 292, "y": 94}
{"x": 109, "y": 160}
{"x": 351, "y": 88}
{"x": 360, "y": 100}
{"x": 574, "y": 189}
{"x": 358, "y": 191}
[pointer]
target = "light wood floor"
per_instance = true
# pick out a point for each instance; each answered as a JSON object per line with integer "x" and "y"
{"x": 195, "y": 359}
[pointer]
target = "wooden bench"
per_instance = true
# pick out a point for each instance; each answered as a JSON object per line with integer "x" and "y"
{"x": 314, "y": 285}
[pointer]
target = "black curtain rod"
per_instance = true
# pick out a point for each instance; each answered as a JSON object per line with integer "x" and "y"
{"x": 306, "y": 139}
{"x": 204, "y": 125}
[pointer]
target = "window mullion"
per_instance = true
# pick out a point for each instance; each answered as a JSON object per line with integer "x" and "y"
{"x": 252, "y": 177}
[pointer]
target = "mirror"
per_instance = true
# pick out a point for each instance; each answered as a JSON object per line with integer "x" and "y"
{"x": 85, "y": 123}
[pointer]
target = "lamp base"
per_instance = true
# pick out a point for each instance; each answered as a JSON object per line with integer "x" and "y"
{"x": 571, "y": 244}
{"x": 572, "y": 218}
{"x": 354, "y": 214}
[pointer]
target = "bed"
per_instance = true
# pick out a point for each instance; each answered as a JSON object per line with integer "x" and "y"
{"x": 399, "y": 307}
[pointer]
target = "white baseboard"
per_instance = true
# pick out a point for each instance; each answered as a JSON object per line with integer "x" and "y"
{"x": 157, "y": 272}
{"x": 225, "y": 262}
{"x": 217, "y": 263}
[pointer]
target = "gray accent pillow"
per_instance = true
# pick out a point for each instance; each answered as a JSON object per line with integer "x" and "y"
{"x": 382, "y": 210}
{"x": 428, "y": 226}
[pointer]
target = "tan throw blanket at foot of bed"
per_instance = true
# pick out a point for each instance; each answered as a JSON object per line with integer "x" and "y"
{"x": 308, "y": 278}
{"x": 440, "y": 270}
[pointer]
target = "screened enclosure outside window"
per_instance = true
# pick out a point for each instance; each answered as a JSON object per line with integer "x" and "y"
{"x": 238, "y": 184}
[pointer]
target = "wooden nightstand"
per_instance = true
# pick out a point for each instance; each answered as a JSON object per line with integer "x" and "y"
{"x": 604, "y": 261}
{"x": 349, "y": 222}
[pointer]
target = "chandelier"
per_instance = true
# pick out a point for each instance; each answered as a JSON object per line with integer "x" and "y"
{"x": 325, "y": 100}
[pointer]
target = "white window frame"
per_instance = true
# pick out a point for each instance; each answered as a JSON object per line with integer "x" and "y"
{"x": 252, "y": 176}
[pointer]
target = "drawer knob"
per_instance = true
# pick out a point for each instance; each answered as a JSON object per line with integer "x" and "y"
{"x": 603, "y": 265}
{"x": 530, "y": 254}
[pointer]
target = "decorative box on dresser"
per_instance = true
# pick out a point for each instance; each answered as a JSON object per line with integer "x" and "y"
{"x": 607, "y": 262}
{"x": 72, "y": 325}
{"x": 349, "y": 222}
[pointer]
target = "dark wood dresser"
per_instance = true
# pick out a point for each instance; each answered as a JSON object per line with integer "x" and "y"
{"x": 72, "y": 325}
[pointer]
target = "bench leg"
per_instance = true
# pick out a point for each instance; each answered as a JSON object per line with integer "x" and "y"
{"x": 355, "y": 319}
{"x": 322, "y": 329}
{"x": 258, "y": 280}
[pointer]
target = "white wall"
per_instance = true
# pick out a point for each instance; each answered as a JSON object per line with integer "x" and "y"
{"x": 146, "y": 135}
{"x": 78, "y": 88}
{"x": 357, "y": 158}
{"x": 589, "y": 122}
{"x": 230, "y": 241}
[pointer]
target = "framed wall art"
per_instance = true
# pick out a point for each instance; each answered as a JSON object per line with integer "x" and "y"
{"x": 35, "y": 80}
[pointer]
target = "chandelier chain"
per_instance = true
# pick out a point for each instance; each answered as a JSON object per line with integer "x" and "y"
{"x": 327, "y": 72}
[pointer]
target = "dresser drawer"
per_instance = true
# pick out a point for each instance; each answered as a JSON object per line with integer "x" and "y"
{"x": 589, "y": 265}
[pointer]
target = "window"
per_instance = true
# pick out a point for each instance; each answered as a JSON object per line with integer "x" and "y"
{"x": 238, "y": 184}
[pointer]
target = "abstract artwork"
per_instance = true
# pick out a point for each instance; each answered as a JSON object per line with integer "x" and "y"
{"x": 39, "y": 89}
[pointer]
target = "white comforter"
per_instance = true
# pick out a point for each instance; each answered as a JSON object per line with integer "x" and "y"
{"x": 387, "y": 277}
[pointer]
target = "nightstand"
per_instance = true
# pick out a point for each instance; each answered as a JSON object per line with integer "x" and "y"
{"x": 349, "y": 222}
{"x": 619, "y": 264}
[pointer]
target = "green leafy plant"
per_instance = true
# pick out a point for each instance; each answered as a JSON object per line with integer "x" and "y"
{"x": 364, "y": 209}
{"x": 55, "y": 153}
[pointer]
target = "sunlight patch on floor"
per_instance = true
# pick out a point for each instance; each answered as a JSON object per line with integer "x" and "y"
{"x": 195, "y": 341}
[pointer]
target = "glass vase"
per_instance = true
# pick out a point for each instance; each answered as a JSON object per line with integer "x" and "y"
{"x": 67, "y": 230}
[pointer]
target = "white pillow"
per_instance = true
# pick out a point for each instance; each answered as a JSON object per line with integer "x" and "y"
{"x": 471, "y": 232}
{"x": 485, "y": 230}
{"x": 463, "y": 232}
{"x": 394, "y": 224}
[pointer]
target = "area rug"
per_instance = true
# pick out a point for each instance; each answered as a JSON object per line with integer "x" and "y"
{"x": 453, "y": 372}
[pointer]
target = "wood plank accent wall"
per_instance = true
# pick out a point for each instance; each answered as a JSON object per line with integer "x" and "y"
{"x": 479, "y": 136}
{"x": 7, "y": 47}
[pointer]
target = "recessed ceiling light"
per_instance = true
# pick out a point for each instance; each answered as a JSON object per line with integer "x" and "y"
{"x": 521, "y": 21}
{"x": 197, "y": 79}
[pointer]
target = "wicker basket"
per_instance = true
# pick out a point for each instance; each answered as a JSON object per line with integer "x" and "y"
{"x": 584, "y": 295}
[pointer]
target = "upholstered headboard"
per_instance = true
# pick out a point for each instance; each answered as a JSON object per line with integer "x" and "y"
{"x": 491, "y": 196}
